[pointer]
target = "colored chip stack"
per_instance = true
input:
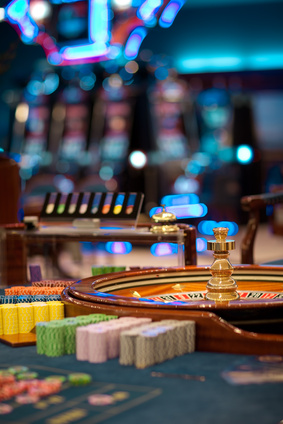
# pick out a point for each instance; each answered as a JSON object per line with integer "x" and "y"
{"x": 25, "y": 317}
{"x": 1, "y": 321}
{"x": 52, "y": 283}
{"x": 22, "y": 317}
{"x": 55, "y": 310}
{"x": 41, "y": 312}
{"x": 10, "y": 319}
{"x": 54, "y": 339}
{"x": 106, "y": 269}
{"x": 58, "y": 337}
{"x": 33, "y": 291}
{"x": 156, "y": 342}
{"x": 97, "y": 343}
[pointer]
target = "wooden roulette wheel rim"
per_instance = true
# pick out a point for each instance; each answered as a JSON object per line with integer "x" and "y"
{"x": 242, "y": 326}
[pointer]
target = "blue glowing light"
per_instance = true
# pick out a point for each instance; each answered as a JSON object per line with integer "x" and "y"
{"x": 206, "y": 64}
{"x": 118, "y": 247}
{"x": 138, "y": 159}
{"x": 161, "y": 73}
{"x": 183, "y": 211}
{"x": 244, "y": 154}
{"x": 179, "y": 199}
{"x": 164, "y": 249}
{"x": 17, "y": 12}
{"x": 194, "y": 167}
{"x": 134, "y": 41}
{"x": 125, "y": 35}
{"x": 201, "y": 244}
{"x": 147, "y": 10}
{"x": 206, "y": 227}
{"x": 169, "y": 13}
{"x": 183, "y": 184}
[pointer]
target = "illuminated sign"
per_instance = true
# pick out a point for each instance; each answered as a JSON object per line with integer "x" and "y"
{"x": 80, "y": 31}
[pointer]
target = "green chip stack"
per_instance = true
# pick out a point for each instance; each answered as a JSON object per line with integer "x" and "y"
{"x": 70, "y": 326}
{"x": 79, "y": 379}
{"x": 58, "y": 337}
{"x": 54, "y": 339}
{"x": 40, "y": 337}
{"x": 106, "y": 269}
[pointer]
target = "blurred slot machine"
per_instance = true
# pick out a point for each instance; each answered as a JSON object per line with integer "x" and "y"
{"x": 219, "y": 177}
{"x": 68, "y": 24}
{"x": 71, "y": 123}
{"x": 214, "y": 111}
{"x": 172, "y": 109}
{"x": 170, "y": 99}
{"x": 115, "y": 142}
{"x": 31, "y": 125}
{"x": 110, "y": 135}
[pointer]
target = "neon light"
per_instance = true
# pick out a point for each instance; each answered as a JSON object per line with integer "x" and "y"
{"x": 169, "y": 13}
{"x": 164, "y": 249}
{"x": 2, "y": 14}
{"x": 126, "y": 34}
{"x": 201, "y": 244}
{"x": 206, "y": 227}
{"x": 147, "y": 10}
{"x": 245, "y": 154}
{"x": 134, "y": 41}
{"x": 183, "y": 211}
{"x": 17, "y": 12}
{"x": 211, "y": 64}
{"x": 118, "y": 247}
{"x": 138, "y": 159}
{"x": 179, "y": 199}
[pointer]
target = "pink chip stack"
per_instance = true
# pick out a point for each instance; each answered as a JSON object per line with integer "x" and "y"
{"x": 99, "y": 342}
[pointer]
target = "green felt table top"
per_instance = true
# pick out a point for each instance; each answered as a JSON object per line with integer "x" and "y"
{"x": 165, "y": 400}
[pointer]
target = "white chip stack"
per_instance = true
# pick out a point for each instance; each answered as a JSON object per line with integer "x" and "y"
{"x": 136, "y": 341}
{"x": 156, "y": 342}
{"x": 99, "y": 342}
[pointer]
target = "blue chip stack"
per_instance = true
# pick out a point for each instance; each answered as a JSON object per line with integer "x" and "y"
{"x": 39, "y": 298}
{"x": 24, "y": 298}
{"x": 10, "y": 299}
{"x": 53, "y": 298}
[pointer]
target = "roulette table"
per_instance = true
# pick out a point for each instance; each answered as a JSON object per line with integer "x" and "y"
{"x": 174, "y": 391}
{"x": 252, "y": 324}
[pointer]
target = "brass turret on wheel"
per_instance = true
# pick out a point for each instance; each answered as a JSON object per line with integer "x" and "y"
{"x": 164, "y": 222}
{"x": 221, "y": 287}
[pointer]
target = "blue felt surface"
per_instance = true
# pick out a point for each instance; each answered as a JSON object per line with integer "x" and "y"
{"x": 153, "y": 400}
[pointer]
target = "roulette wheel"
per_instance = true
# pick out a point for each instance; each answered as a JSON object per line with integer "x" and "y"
{"x": 245, "y": 325}
{"x": 248, "y": 321}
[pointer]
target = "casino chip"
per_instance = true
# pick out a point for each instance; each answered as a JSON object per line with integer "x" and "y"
{"x": 6, "y": 377}
{"x": 5, "y": 408}
{"x": 27, "y": 375}
{"x": 17, "y": 369}
{"x": 120, "y": 395}
{"x": 270, "y": 358}
{"x": 79, "y": 379}
{"x": 26, "y": 399}
{"x": 61, "y": 378}
{"x": 100, "y": 400}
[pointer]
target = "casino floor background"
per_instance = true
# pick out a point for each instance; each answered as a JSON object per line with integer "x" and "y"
{"x": 195, "y": 116}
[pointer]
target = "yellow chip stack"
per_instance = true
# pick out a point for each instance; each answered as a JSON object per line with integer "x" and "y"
{"x": 56, "y": 310}
{"x": 40, "y": 312}
{"x": 1, "y": 321}
{"x": 10, "y": 319}
{"x": 25, "y": 316}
